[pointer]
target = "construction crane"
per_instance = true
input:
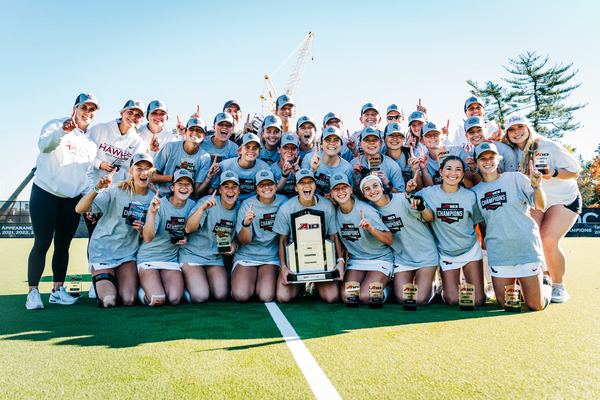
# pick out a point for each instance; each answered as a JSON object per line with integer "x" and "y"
{"x": 291, "y": 87}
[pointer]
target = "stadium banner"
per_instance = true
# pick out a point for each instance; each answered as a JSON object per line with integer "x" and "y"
{"x": 587, "y": 224}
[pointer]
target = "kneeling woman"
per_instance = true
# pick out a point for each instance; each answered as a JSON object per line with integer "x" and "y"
{"x": 453, "y": 212}
{"x": 415, "y": 254}
{"x": 116, "y": 239}
{"x": 512, "y": 237}
{"x": 256, "y": 263}
{"x": 164, "y": 233}
{"x": 213, "y": 216}
{"x": 367, "y": 239}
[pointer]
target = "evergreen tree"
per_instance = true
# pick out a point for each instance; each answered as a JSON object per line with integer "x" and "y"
{"x": 538, "y": 92}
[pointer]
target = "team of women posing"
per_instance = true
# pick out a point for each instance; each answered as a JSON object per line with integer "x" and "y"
{"x": 206, "y": 214}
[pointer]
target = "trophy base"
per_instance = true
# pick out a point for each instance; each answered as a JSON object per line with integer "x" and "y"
{"x": 467, "y": 308}
{"x": 512, "y": 309}
{"x": 376, "y": 305}
{"x": 352, "y": 304}
{"x": 409, "y": 305}
{"x": 303, "y": 277}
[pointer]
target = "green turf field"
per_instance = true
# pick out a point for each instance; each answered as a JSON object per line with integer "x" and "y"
{"x": 236, "y": 351}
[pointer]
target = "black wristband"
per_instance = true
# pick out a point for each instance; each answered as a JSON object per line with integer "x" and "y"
{"x": 285, "y": 175}
{"x": 247, "y": 226}
{"x": 555, "y": 174}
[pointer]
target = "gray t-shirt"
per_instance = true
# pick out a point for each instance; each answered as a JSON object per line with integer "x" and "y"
{"x": 414, "y": 244}
{"x": 511, "y": 236}
{"x": 289, "y": 190}
{"x": 264, "y": 246}
{"x": 173, "y": 157}
{"x": 114, "y": 240}
{"x": 324, "y": 172}
{"x": 201, "y": 247}
{"x": 230, "y": 150}
{"x": 246, "y": 175}
{"x": 389, "y": 166}
{"x": 509, "y": 157}
{"x": 283, "y": 221}
{"x": 361, "y": 244}
{"x": 455, "y": 214}
{"x": 268, "y": 156}
{"x": 168, "y": 223}
{"x": 433, "y": 166}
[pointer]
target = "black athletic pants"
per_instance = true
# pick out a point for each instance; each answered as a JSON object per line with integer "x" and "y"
{"x": 51, "y": 216}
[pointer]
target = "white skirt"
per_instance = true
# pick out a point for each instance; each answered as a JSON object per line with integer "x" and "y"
{"x": 516, "y": 271}
{"x": 449, "y": 263}
{"x": 173, "y": 266}
{"x": 385, "y": 267}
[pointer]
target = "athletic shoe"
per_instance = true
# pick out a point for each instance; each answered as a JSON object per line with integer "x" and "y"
{"x": 141, "y": 295}
{"x": 34, "y": 301}
{"x": 61, "y": 296}
{"x": 92, "y": 293}
{"x": 559, "y": 293}
{"x": 547, "y": 288}
{"x": 386, "y": 293}
{"x": 489, "y": 291}
{"x": 186, "y": 296}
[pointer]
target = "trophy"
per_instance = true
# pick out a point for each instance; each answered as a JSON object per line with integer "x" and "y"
{"x": 223, "y": 239}
{"x": 352, "y": 292}
{"x": 375, "y": 295}
{"x": 541, "y": 163}
{"x": 409, "y": 296}
{"x": 466, "y": 297}
{"x": 310, "y": 256}
{"x": 512, "y": 298}
{"x": 73, "y": 285}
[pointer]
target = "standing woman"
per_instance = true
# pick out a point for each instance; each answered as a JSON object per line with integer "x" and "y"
{"x": 452, "y": 212}
{"x": 563, "y": 200}
{"x": 164, "y": 233}
{"x": 116, "y": 239}
{"x": 154, "y": 133}
{"x": 513, "y": 242}
{"x": 365, "y": 237}
{"x": 66, "y": 152}
{"x": 256, "y": 263}
{"x": 203, "y": 266}
{"x": 415, "y": 254}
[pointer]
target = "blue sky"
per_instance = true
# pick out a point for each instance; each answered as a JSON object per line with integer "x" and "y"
{"x": 192, "y": 53}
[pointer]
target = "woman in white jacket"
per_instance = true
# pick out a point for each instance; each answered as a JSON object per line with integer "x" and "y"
{"x": 66, "y": 152}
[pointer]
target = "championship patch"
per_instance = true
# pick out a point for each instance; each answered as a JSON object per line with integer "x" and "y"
{"x": 223, "y": 225}
{"x": 247, "y": 185}
{"x": 350, "y": 232}
{"x": 187, "y": 163}
{"x": 134, "y": 212}
{"x": 492, "y": 200}
{"x": 267, "y": 221}
{"x": 322, "y": 181}
{"x": 175, "y": 226}
{"x": 450, "y": 213}
{"x": 393, "y": 223}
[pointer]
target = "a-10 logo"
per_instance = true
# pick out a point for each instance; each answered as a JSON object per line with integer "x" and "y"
{"x": 309, "y": 226}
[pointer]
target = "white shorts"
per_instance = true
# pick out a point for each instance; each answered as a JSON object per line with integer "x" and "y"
{"x": 405, "y": 268}
{"x": 173, "y": 266}
{"x": 96, "y": 266}
{"x": 251, "y": 263}
{"x": 516, "y": 271}
{"x": 449, "y": 263}
{"x": 385, "y": 267}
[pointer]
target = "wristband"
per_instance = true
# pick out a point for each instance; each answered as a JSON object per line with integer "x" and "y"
{"x": 555, "y": 174}
{"x": 246, "y": 226}
{"x": 535, "y": 187}
{"x": 285, "y": 175}
{"x": 340, "y": 259}
{"x": 97, "y": 189}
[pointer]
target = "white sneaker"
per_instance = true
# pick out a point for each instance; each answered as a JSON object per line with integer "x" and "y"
{"x": 489, "y": 291}
{"x": 61, "y": 296}
{"x": 34, "y": 301}
{"x": 92, "y": 292}
{"x": 559, "y": 293}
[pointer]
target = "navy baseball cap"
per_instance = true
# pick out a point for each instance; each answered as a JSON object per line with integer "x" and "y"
{"x": 232, "y": 103}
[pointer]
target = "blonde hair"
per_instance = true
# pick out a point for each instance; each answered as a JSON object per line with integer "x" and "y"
{"x": 128, "y": 185}
{"x": 529, "y": 151}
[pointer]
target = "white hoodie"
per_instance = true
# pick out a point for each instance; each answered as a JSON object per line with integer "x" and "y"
{"x": 64, "y": 160}
{"x": 114, "y": 148}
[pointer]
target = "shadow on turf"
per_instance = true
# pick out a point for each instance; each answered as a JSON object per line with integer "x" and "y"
{"x": 84, "y": 324}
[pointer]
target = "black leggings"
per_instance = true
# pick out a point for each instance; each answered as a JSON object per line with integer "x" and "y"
{"x": 51, "y": 216}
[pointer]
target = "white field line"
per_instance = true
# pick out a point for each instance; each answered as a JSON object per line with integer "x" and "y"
{"x": 316, "y": 378}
